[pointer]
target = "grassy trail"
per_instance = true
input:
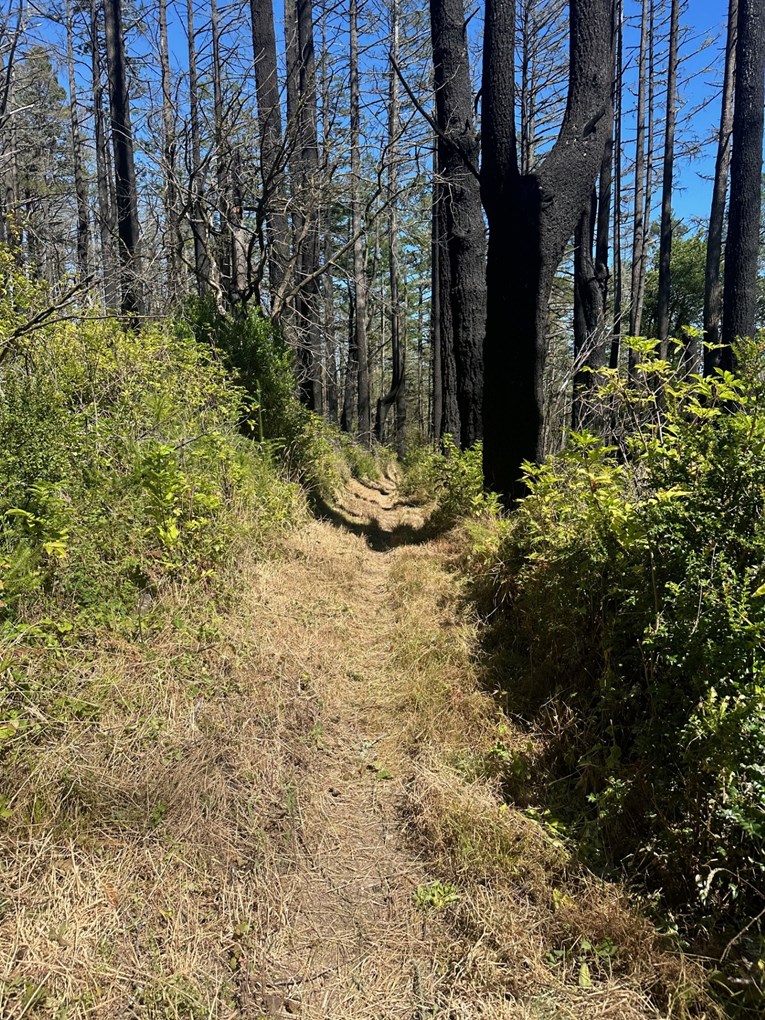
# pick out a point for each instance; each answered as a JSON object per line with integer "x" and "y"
{"x": 253, "y": 822}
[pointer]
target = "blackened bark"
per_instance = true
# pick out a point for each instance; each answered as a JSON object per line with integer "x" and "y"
{"x": 435, "y": 310}
{"x": 105, "y": 209}
{"x": 272, "y": 147}
{"x": 450, "y": 413}
{"x": 531, "y": 218}
{"x": 464, "y": 238}
{"x": 396, "y": 395}
{"x": 124, "y": 161}
{"x": 590, "y": 292}
{"x": 80, "y": 182}
{"x": 360, "y": 348}
{"x": 742, "y": 246}
{"x": 351, "y": 369}
{"x": 638, "y": 215}
{"x": 196, "y": 184}
{"x": 713, "y": 277}
{"x": 614, "y": 173}
{"x": 173, "y": 239}
{"x": 665, "y": 236}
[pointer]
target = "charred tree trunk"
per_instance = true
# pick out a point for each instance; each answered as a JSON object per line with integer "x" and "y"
{"x": 396, "y": 395}
{"x": 80, "y": 182}
{"x": 106, "y": 218}
{"x": 665, "y": 238}
{"x": 531, "y": 218}
{"x": 435, "y": 308}
{"x": 124, "y": 161}
{"x": 742, "y": 246}
{"x": 638, "y": 216}
{"x": 359, "y": 340}
{"x": 196, "y": 184}
{"x": 712, "y": 279}
{"x": 613, "y": 168}
{"x": 464, "y": 245}
{"x": 309, "y": 296}
{"x": 273, "y": 155}
{"x": 173, "y": 241}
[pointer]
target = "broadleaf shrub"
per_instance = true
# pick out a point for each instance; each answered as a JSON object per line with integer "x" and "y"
{"x": 452, "y": 479}
{"x": 121, "y": 463}
{"x": 628, "y": 591}
{"x": 250, "y": 347}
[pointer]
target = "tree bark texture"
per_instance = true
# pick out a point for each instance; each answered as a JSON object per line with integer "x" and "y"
{"x": 531, "y": 218}
{"x": 743, "y": 244}
{"x": 126, "y": 191}
{"x": 463, "y": 251}
{"x": 713, "y": 275}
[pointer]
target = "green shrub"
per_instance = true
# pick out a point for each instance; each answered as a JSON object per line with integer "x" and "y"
{"x": 453, "y": 479}
{"x": 312, "y": 452}
{"x": 121, "y": 463}
{"x": 631, "y": 585}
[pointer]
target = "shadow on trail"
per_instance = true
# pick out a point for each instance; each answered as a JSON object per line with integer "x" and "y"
{"x": 377, "y": 538}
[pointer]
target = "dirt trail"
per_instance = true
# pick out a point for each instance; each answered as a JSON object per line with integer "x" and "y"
{"x": 350, "y": 942}
{"x": 226, "y": 838}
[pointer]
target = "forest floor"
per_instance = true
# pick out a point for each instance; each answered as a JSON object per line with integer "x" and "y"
{"x": 285, "y": 808}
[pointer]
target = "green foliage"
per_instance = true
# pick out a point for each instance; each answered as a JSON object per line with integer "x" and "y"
{"x": 436, "y": 896}
{"x": 121, "y": 464}
{"x": 314, "y": 453}
{"x": 688, "y": 268}
{"x": 453, "y": 478}
{"x": 632, "y": 595}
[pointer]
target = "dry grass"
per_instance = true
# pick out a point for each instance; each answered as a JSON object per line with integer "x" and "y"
{"x": 564, "y": 944}
{"x": 235, "y": 821}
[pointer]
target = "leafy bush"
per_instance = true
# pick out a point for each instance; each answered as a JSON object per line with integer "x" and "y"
{"x": 313, "y": 452}
{"x": 453, "y": 478}
{"x": 631, "y": 583}
{"x": 121, "y": 464}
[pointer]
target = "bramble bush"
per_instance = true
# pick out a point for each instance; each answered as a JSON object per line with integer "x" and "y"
{"x": 630, "y": 584}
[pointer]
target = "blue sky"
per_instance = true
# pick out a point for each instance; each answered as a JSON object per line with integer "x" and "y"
{"x": 701, "y": 75}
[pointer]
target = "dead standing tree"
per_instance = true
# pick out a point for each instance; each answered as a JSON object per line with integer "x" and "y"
{"x": 531, "y": 218}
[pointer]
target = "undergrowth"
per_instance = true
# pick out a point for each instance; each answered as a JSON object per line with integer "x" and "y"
{"x": 625, "y": 610}
{"x": 564, "y": 942}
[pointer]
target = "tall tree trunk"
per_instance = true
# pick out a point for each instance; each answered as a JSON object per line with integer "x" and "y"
{"x": 309, "y": 296}
{"x": 124, "y": 161}
{"x": 350, "y": 386}
{"x": 615, "y": 143}
{"x": 665, "y": 237}
{"x": 590, "y": 293}
{"x": 712, "y": 278}
{"x": 80, "y": 182}
{"x": 531, "y": 219}
{"x": 359, "y": 343}
{"x": 464, "y": 246}
{"x": 744, "y": 211}
{"x": 173, "y": 242}
{"x": 196, "y": 184}
{"x": 223, "y": 259}
{"x": 435, "y": 305}
{"x": 273, "y": 155}
{"x": 637, "y": 268}
{"x": 105, "y": 216}
{"x": 396, "y": 395}
{"x": 328, "y": 283}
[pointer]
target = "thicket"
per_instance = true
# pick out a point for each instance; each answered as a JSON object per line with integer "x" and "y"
{"x": 627, "y": 598}
{"x": 311, "y": 450}
{"x": 131, "y": 464}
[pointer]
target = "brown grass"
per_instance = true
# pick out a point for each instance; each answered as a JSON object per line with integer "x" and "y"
{"x": 234, "y": 822}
